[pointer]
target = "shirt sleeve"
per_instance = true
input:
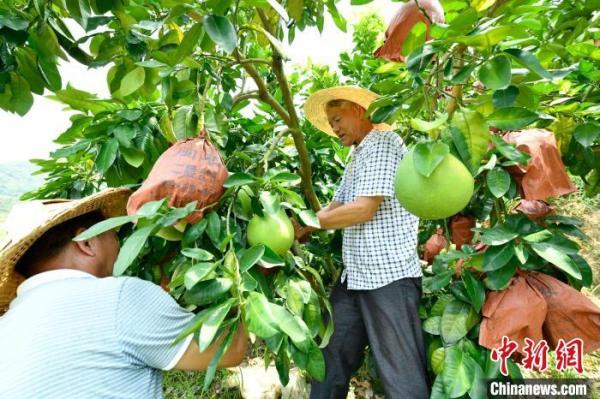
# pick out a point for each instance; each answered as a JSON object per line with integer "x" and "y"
{"x": 378, "y": 167}
{"x": 148, "y": 322}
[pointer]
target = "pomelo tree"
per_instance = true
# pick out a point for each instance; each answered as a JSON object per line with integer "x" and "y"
{"x": 177, "y": 66}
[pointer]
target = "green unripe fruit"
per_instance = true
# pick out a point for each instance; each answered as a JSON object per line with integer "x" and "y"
{"x": 272, "y": 230}
{"x": 446, "y": 192}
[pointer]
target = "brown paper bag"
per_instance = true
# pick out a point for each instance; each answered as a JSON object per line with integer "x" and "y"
{"x": 517, "y": 312}
{"x": 191, "y": 170}
{"x": 570, "y": 314}
{"x": 460, "y": 228}
{"x": 406, "y": 17}
{"x": 545, "y": 175}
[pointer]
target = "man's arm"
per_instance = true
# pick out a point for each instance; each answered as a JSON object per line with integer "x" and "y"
{"x": 194, "y": 360}
{"x": 338, "y": 216}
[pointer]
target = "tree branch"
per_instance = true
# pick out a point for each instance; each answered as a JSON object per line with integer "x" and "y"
{"x": 263, "y": 92}
{"x": 245, "y": 96}
{"x": 294, "y": 123}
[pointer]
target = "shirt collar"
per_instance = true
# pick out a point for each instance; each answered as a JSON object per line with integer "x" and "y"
{"x": 364, "y": 141}
{"x": 51, "y": 276}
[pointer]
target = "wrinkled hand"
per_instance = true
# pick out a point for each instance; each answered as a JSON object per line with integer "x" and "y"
{"x": 300, "y": 232}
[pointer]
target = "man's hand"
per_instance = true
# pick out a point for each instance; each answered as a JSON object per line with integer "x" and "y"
{"x": 300, "y": 232}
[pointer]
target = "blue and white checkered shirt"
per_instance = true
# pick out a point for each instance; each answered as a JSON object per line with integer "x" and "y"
{"x": 384, "y": 249}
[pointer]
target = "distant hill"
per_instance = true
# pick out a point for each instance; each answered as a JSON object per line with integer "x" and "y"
{"x": 16, "y": 178}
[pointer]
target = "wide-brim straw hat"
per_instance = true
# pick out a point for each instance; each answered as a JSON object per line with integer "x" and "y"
{"x": 314, "y": 108}
{"x": 29, "y": 220}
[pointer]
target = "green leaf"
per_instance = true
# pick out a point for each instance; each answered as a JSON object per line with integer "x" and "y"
{"x": 131, "y": 248}
{"x": 271, "y": 259}
{"x": 475, "y": 132}
{"x": 310, "y": 218}
{"x": 457, "y": 320}
{"x": 149, "y": 209}
{"x": 211, "y": 324}
{"x": 132, "y": 81}
{"x": 251, "y": 257}
{"x": 295, "y": 9}
{"x": 212, "y": 367}
{"x": 415, "y": 38}
{"x": 221, "y": 31}
{"x": 197, "y": 254}
{"x": 496, "y": 73}
{"x": 433, "y": 325}
{"x": 552, "y": 254}
{"x": 316, "y": 362}
{"x": 214, "y": 227}
{"x": 512, "y": 118}
{"x": 457, "y": 375}
{"x": 189, "y": 42}
{"x": 291, "y": 325}
{"x": 50, "y": 73}
{"x": 239, "y": 179}
{"x": 498, "y": 235}
{"x": 505, "y": 97}
{"x": 475, "y": 289}
{"x": 13, "y": 22}
{"x": 500, "y": 279}
{"x": 270, "y": 202}
{"x": 107, "y": 155}
{"x": 428, "y": 156}
{"x": 104, "y": 226}
{"x": 133, "y": 156}
{"x": 509, "y": 151}
{"x": 587, "y": 134}
{"x": 495, "y": 258}
{"x": 197, "y": 273}
{"x": 286, "y": 177}
{"x": 481, "y": 5}
{"x": 21, "y": 99}
{"x": 529, "y": 61}
{"x": 260, "y": 319}
{"x": 207, "y": 291}
{"x": 491, "y": 36}
{"x": 498, "y": 181}
{"x": 437, "y": 282}
{"x": 426, "y": 126}
{"x": 193, "y": 326}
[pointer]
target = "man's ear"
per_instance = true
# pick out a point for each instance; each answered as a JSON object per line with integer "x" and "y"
{"x": 85, "y": 246}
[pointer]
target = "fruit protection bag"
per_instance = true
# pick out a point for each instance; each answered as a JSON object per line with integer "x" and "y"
{"x": 545, "y": 175}
{"x": 460, "y": 229}
{"x": 536, "y": 305}
{"x": 191, "y": 170}
{"x": 407, "y": 16}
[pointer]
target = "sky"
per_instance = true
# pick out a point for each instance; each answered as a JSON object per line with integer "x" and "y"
{"x": 28, "y": 137}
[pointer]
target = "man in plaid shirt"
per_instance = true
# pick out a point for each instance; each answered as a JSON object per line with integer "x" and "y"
{"x": 376, "y": 301}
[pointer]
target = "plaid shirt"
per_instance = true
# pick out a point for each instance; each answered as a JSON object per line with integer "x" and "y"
{"x": 384, "y": 249}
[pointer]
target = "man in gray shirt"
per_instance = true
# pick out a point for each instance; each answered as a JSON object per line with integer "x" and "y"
{"x": 73, "y": 331}
{"x": 377, "y": 298}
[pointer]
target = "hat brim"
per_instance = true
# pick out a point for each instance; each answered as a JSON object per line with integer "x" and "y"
{"x": 314, "y": 107}
{"x": 111, "y": 202}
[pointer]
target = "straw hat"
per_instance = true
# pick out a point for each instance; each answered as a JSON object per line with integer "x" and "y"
{"x": 28, "y": 221}
{"x": 314, "y": 108}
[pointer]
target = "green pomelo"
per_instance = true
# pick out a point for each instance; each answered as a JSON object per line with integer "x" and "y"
{"x": 273, "y": 230}
{"x": 446, "y": 192}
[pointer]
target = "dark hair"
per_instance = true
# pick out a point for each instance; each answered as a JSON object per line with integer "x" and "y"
{"x": 55, "y": 240}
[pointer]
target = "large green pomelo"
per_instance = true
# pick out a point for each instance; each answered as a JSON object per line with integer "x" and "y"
{"x": 273, "y": 230}
{"x": 446, "y": 192}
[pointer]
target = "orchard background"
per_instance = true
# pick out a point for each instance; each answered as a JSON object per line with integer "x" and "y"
{"x": 177, "y": 65}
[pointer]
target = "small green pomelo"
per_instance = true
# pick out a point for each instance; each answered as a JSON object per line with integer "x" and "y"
{"x": 273, "y": 230}
{"x": 446, "y": 192}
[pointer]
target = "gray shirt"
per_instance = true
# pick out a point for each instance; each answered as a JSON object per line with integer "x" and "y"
{"x": 69, "y": 334}
{"x": 384, "y": 249}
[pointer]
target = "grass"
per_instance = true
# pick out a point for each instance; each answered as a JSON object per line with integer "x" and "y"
{"x": 188, "y": 385}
